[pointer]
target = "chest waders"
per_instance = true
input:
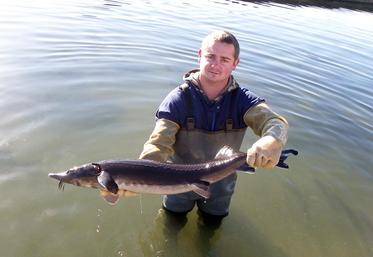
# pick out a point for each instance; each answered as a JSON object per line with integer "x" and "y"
{"x": 195, "y": 146}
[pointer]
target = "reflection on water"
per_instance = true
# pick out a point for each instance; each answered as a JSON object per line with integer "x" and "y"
{"x": 80, "y": 81}
{"x": 162, "y": 238}
{"x": 191, "y": 235}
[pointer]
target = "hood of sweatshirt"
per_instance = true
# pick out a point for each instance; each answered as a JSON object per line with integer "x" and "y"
{"x": 193, "y": 77}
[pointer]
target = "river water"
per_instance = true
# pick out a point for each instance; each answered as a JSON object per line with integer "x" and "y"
{"x": 80, "y": 82}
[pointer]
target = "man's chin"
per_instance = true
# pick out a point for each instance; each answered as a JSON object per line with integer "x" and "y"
{"x": 213, "y": 76}
{"x": 215, "y": 79}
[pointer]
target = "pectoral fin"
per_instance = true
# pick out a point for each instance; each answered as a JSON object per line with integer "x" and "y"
{"x": 107, "y": 182}
{"x": 113, "y": 199}
{"x": 109, "y": 197}
{"x": 201, "y": 189}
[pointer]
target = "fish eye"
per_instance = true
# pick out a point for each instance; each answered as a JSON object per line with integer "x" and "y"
{"x": 97, "y": 168}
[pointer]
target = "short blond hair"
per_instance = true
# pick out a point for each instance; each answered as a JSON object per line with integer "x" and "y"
{"x": 223, "y": 37}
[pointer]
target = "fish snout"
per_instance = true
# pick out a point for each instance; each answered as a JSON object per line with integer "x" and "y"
{"x": 58, "y": 176}
{"x": 61, "y": 177}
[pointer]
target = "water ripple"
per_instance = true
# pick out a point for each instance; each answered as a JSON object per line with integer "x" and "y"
{"x": 80, "y": 81}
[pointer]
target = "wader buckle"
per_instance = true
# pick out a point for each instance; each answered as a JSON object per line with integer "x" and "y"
{"x": 190, "y": 123}
{"x": 229, "y": 124}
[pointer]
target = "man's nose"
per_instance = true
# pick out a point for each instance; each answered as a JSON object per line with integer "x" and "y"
{"x": 215, "y": 63}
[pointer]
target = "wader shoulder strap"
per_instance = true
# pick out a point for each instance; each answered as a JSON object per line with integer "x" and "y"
{"x": 189, "y": 118}
{"x": 228, "y": 124}
{"x": 229, "y": 121}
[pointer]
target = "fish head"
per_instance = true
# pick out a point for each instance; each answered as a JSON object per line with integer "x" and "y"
{"x": 84, "y": 176}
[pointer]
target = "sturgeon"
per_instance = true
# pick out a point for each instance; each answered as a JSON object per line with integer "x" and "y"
{"x": 115, "y": 178}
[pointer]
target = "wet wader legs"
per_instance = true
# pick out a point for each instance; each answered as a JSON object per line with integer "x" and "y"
{"x": 216, "y": 205}
{"x": 178, "y": 204}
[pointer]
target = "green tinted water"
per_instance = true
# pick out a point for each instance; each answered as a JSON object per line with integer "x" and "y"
{"x": 80, "y": 82}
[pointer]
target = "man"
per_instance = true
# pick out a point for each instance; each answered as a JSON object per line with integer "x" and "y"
{"x": 209, "y": 111}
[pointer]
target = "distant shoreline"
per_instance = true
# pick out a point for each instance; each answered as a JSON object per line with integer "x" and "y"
{"x": 316, "y": 2}
{"x": 358, "y": 1}
{"x": 364, "y": 5}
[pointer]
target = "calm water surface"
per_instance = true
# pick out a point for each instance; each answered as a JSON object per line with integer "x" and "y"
{"x": 80, "y": 81}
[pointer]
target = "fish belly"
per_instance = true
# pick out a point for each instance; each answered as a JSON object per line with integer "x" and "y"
{"x": 157, "y": 189}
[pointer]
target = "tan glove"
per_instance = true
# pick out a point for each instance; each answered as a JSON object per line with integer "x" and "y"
{"x": 265, "y": 153}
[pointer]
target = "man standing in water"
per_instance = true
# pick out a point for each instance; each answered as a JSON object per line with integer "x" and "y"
{"x": 208, "y": 111}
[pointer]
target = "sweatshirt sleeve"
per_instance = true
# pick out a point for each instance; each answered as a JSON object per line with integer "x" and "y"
{"x": 159, "y": 146}
{"x": 264, "y": 122}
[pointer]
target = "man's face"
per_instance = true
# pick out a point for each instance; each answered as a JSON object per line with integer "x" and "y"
{"x": 217, "y": 61}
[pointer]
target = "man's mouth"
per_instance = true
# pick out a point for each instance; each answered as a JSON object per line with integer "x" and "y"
{"x": 214, "y": 72}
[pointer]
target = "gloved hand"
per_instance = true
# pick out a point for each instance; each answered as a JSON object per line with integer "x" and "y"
{"x": 264, "y": 153}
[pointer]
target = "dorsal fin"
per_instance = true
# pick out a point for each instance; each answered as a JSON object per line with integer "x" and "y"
{"x": 225, "y": 151}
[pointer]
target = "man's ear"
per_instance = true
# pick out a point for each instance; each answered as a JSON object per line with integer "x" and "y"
{"x": 199, "y": 54}
{"x": 236, "y": 62}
